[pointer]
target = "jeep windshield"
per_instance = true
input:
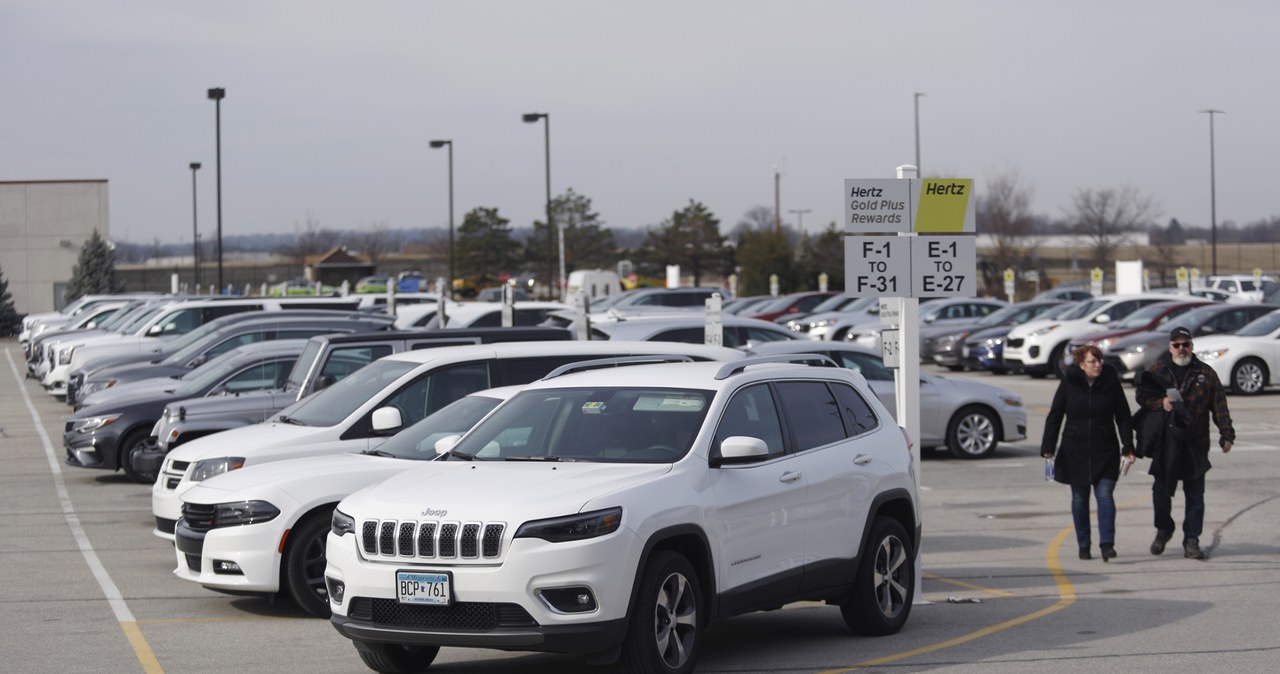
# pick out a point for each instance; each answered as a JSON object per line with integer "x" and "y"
{"x": 608, "y": 425}
{"x": 333, "y": 404}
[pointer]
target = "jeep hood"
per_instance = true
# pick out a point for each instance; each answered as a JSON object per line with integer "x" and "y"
{"x": 509, "y": 491}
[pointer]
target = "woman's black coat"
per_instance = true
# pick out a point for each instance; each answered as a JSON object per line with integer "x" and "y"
{"x": 1090, "y": 449}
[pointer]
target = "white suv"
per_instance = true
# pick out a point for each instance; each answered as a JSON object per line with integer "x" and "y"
{"x": 1037, "y": 347}
{"x": 616, "y": 512}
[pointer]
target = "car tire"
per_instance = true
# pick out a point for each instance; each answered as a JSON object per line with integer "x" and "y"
{"x": 303, "y": 564}
{"x": 1249, "y": 377}
{"x": 132, "y": 444}
{"x": 665, "y": 631}
{"x": 396, "y": 658}
{"x": 884, "y": 585}
{"x": 973, "y": 432}
{"x": 1055, "y": 360}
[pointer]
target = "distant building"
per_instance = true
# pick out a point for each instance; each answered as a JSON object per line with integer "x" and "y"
{"x": 43, "y": 224}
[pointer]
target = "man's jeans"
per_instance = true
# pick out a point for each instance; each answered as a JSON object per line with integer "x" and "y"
{"x": 1193, "y": 492}
{"x": 1103, "y": 492}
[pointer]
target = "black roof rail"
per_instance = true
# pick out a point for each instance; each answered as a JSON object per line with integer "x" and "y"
{"x": 737, "y": 366}
{"x": 598, "y": 363}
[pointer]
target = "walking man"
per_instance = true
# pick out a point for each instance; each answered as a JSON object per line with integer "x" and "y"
{"x": 1192, "y": 395}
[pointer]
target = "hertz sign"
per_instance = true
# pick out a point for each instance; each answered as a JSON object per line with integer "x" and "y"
{"x": 941, "y": 264}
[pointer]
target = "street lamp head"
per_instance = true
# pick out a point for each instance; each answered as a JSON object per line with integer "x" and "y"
{"x": 195, "y": 166}
{"x": 217, "y": 94}
{"x": 437, "y": 144}
{"x": 531, "y": 117}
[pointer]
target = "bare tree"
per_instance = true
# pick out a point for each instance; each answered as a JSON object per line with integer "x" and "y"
{"x": 1004, "y": 213}
{"x": 1104, "y": 216}
{"x": 312, "y": 239}
{"x": 377, "y": 242}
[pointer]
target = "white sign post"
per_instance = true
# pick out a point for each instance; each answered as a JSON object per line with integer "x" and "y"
{"x": 1009, "y": 287}
{"x": 713, "y": 333}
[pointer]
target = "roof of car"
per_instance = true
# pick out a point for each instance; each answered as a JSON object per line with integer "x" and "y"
{"x": 553, "y": 348}
{"x": 704, "y": 375}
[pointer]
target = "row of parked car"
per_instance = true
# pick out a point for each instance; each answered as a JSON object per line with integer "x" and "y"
{"x": 610, "y": 489}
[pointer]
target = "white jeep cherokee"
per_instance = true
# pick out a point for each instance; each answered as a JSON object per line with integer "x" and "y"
{"x": 616, "y": 512}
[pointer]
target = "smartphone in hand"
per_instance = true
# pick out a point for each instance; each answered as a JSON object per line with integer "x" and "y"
{"x": 1125, "y": 463}
{"x": 1174, "y": 395}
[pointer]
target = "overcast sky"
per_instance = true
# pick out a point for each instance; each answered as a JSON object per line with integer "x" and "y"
{"x": 330, "y": 105}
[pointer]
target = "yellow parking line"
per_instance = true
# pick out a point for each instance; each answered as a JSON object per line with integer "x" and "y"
{"x": 141, "y": 648}
{"x": 970, "y": 586}
{"x": 1066, "y": 597}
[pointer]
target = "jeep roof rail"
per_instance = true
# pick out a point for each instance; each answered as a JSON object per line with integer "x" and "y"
{"x": 738, "y": 366}
{"x": 598, "y": 363}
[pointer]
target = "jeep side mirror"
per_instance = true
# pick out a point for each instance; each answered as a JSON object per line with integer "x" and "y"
{"x": 740, "y": 449}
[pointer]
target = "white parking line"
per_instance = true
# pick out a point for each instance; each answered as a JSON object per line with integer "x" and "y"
{"x": 118, "y": 606}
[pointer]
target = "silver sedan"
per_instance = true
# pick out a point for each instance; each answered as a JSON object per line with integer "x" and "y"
{"x": 968, "y": 418}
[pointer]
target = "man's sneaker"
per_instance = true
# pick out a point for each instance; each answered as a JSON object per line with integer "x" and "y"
{"x": 1191, "y": 548}
{"x": 1157, "y": 546}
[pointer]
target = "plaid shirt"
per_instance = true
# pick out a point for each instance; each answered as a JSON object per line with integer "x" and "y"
{"x": 1202, "y": 395}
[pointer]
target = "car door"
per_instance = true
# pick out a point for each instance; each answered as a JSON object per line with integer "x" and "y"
{"x": 759, "y": 506}
{"x": 838, "y": 462}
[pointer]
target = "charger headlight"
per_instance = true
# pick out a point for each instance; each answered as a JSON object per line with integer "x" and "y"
{"x": 208, "y": 468}
{"x": 243, "y": 512}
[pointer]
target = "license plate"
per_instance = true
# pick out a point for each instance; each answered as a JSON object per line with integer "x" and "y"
{"x": 413, "y": 587}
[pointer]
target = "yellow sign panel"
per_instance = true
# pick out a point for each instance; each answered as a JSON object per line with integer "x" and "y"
{"x": 1008, "y": 275}
{"x": 945, "y": 206}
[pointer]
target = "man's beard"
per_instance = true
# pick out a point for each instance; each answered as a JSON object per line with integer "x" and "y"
{"x": 1181, "y": 359}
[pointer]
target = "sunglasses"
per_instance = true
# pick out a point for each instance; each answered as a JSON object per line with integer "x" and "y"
{"x": 1180, "y": 345}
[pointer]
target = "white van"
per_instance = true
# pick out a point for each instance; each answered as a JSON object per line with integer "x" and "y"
{"x": 597, "y": 283}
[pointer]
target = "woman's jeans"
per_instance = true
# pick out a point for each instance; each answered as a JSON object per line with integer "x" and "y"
{"x": 1104, "y": 493}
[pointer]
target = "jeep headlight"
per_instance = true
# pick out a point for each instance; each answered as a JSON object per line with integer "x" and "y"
{"x": 1042, "y": 331}
{"x": 341, "y": 523}
{"x": 208, "y": 468}
{"x": 92, "y": 424}
{"x": 573, "y": 527}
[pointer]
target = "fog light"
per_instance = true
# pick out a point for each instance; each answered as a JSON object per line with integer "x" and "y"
{"x": 336, "y": 589}
{"x": 569, "y": 599}
{"x": 228, "y": 568}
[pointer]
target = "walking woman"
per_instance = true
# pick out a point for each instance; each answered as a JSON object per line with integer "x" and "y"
{"x": 1098, "y": 424}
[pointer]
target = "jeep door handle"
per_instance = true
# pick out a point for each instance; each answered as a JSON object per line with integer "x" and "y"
{"x": 789, "y": 477}
{"x": 862, "y": 459}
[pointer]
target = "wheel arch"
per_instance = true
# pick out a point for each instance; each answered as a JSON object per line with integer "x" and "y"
{"x": 690, "y": 541}
{"x": 141, "y": 426}
{"x": 895, "y": 504}
{"x": 322, "y": 509}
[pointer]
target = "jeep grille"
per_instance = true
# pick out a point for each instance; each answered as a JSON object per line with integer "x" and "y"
{"x": 431, "y": 539}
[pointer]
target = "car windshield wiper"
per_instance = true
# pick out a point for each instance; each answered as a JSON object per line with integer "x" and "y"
{"x": 378, "y": 452}
{"x": 461, "y": 456}
{"x": 552, "y": 459}
{"x": 290, "y": 420}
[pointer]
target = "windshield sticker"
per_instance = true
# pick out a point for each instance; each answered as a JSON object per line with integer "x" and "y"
{"x": 669, "y": 403}
{"x": 593, "y": 408}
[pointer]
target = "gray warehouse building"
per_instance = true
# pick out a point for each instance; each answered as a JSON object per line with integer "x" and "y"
{"x": 43, "y": 224}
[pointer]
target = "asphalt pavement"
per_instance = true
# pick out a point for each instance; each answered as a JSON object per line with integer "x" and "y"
{"x": 89, "y": 589}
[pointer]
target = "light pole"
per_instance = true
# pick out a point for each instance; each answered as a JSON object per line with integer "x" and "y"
{"x": 1213, "y": 193}
{"x": 800, "y": 217}
{"x": 437, "y": 144}
{"x": 919, "y": 171}
{"x": 530, "y": 118}
{"x": 216, "y": 95}
{"x": 195, "y": 230}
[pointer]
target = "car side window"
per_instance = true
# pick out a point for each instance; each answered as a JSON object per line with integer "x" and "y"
{"x": 812, "y": 413}
{"x": 437, "y": 389}
{"x": 342, "y": 362}
{"x": 684, "y": 335}
{"x": 751, "y": 412}
{"x": 857, "y": 413}
{"x": 261, "y": 376}
{"x": 870, "y": 367}
{"x": 757, "y": 336}
{"x": 234, "y": 342}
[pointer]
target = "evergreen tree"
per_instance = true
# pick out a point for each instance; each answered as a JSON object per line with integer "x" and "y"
{"x": 10, "y": 321}
{"x": 588, "y": 244}
{"x": 762, "y": 253}
{"x": 690, "y": 238}
{"x": 821, "y": 255}
{"x": 95, "y": 271}
{"x": 485, "y": 249}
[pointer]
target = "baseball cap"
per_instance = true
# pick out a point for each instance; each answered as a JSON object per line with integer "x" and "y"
{"x": 1179, "y": 333}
